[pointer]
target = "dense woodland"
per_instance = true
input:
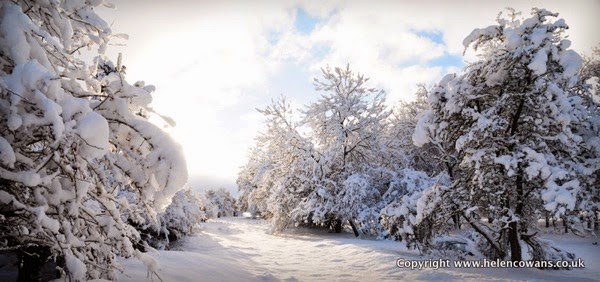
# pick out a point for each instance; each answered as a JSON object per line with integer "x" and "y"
{"x": 483, "y": 154}
{"x": 85, "y": 177}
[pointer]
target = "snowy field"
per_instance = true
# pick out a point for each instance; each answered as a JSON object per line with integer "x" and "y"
{"x": 240, "y": 249}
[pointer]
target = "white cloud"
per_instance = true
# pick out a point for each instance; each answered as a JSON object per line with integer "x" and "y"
{"x": 375, "y": 41}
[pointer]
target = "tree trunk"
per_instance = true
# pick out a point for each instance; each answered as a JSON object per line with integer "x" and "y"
{"x": 547, "y": 221}
{"x": 513, "y": 239}
{"x": 356, "y": 232}
{"x": 36, "y": 264}
{"x": 456, "y": 219}
{"x": 337, "y": 225}
{"x": 565, "y": 224}
{"x": 513, "y": 231}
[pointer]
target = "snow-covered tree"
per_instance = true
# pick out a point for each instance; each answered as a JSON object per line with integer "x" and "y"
{"x": 511, "y": 121}
{"x": 402, "y": 152}
{"x": 280, "y": 172}
{"x": 590, "y": 131}
{"x": 293, "y": 159}
{"x": 75, "y": 144}
{"x": 253, "y": 195}
{"x": 147, "y": 165}
{"x": 347, "y": 124}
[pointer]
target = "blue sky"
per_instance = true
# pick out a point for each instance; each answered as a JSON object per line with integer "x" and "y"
{"x": 305, "y": 23}
{"x": 213, "y": 64}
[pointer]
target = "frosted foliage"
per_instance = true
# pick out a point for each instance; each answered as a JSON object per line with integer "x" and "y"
{"x": 356, "y": 189}
{"x": 149, "y": 159}
{"x": 359, "y": 201}
{"x": 75, "y": 141}
{"x": 76, "y": 267}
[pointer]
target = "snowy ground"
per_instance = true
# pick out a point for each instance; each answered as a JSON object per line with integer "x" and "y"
{"x": 239, "y": 249}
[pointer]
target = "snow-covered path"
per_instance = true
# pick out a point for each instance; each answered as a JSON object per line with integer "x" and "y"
{"x": 239, "y": 249}
{"x": 303, "y": 256}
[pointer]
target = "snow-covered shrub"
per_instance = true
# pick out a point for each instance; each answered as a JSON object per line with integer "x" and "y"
{"x": 411, "y": 206}
{"x": 456, "y": 247}
{"x": 253, "y": 184}
{"x": 74, "y": 141}
{"x": 247, "y": 182}
{"x": 219, "y": 203}
{"x": 185, "y": 211}
{"x": 294, "y": 182}
{"x": 359, "y": 203}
